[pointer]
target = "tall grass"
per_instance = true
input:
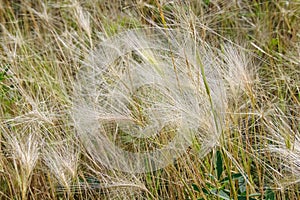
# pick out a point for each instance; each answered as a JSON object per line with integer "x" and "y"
{"x": 149, "y": 99}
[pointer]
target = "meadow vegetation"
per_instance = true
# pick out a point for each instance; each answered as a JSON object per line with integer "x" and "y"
{"x": 227, "y": 72}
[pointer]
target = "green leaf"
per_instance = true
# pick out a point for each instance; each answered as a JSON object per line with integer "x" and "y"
{"x": 195, "y": 187}
{"x": 221, "y": 194}
{"x": 205, "y": 191}
{"x": 255, "y": 195}
{"x": 242, "y": 184}
{"x": 235, "y": 176}
{"x": 206, "y": 2}
{"x": 224, "y": 195}
{"x": 244, "y": 197}
{"x": 219, "y": 164}
{"x": 269, "y": 195}
{"x": 2, "y": 76}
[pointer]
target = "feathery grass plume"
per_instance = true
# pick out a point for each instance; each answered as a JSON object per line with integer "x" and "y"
{"x": 284, "y": 145}
{"x": 143, "y": 98}
{"x": 24, "y": 152}
{"x": 62, "y": 159}
{"x": 238, "y": 70}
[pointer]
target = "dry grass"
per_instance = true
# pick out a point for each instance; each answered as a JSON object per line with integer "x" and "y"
{"x": 226, "y": 72}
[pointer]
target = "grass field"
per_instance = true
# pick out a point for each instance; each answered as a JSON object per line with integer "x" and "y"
{"x": 155, "y": 99}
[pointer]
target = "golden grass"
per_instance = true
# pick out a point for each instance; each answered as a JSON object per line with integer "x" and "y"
{"x": 254, "y": 45}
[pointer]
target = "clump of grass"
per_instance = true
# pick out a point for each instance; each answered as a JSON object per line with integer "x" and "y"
{"x": 23, "y": 153}
{"x": 148, "y": 86}
{"x": 62, "y": 159}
